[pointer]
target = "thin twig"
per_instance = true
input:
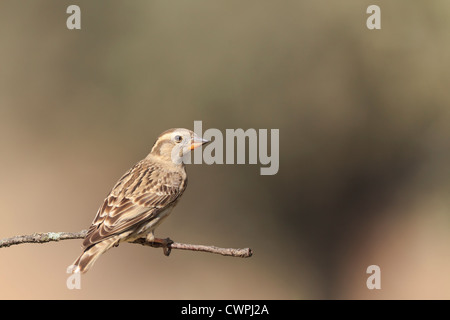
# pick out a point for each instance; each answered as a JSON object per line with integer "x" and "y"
{"x": 44, "y": 237}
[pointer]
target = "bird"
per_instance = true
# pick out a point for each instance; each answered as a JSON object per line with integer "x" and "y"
{"x": 142, "y": 198}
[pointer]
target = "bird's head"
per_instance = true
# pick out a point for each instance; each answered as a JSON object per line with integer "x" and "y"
{"x": 174, "y": 144}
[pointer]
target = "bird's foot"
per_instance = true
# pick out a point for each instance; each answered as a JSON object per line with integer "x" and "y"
{"x": 165, "y": 244}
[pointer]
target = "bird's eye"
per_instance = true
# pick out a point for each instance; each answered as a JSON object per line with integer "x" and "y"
{"x": 178, "y": 138}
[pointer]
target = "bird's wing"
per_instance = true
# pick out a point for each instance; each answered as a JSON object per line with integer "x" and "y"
{"x": 136, "y": 198}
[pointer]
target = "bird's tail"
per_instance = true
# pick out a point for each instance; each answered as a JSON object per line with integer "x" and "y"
{"x": 87, "y": 259}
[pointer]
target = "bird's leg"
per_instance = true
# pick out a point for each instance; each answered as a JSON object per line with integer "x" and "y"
{"x": 164, "y": 243}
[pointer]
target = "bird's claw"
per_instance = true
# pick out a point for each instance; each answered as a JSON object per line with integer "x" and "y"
{"x": 165, "y": 244}
{"x": 167, "y": 249}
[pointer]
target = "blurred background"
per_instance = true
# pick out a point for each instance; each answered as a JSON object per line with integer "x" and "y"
{"x": 364, "y": 158}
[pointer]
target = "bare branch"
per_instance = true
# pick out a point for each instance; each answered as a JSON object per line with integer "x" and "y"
{"x": 44, "y": 237}
{"x": 241, "y": 253}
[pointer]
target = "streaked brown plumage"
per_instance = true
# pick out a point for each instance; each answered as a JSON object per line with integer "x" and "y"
{"x": 142, "y": 197}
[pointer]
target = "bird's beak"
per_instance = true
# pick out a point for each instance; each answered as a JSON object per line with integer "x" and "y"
{"x": 197, "y": 142}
